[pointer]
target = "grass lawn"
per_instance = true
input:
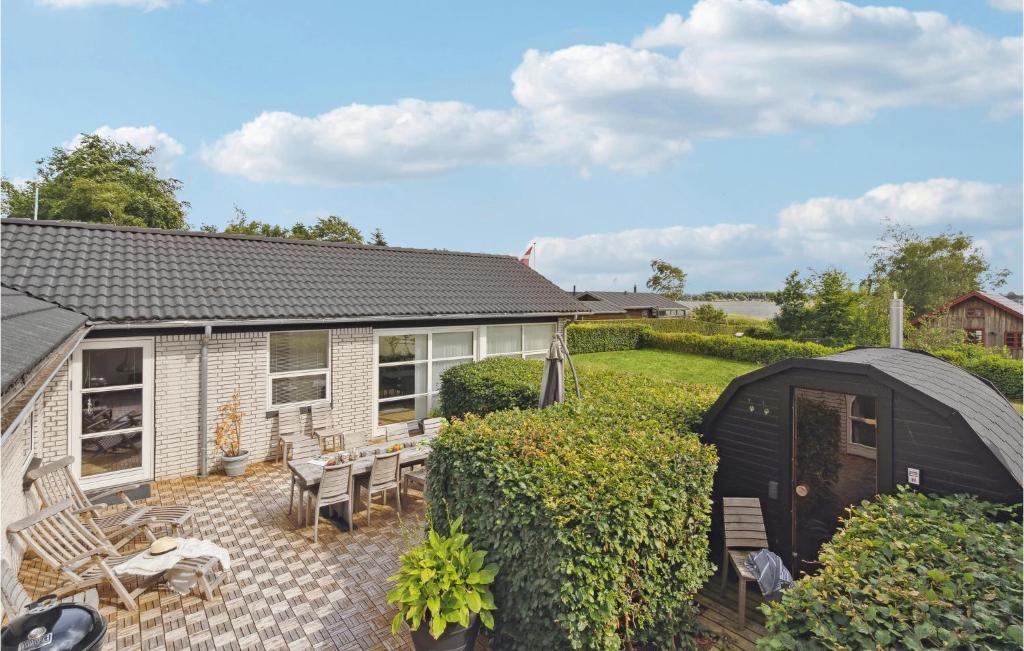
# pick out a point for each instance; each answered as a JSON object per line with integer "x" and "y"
{"x": 681, "y": 367}
{"x": 1018, "y": 405}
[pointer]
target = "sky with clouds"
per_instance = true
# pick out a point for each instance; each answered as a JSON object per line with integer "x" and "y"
{"x": 739, "y": 139}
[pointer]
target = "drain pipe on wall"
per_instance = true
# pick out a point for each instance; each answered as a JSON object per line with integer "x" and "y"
{"x": 204, "y": 357}
{"x": 896, "y": 322}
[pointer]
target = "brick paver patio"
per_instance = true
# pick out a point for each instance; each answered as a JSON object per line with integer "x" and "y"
{"x": 282, "y": 592}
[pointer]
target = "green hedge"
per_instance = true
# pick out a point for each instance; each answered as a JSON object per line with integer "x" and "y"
{"x": 743, "y": 349}
{"x": 1005, "y": 373}
{"x": 910, "y": 572}
{"x": 602, "y": 337}
{"x": 510, "y": 383}
{"x": 598, "y": 526}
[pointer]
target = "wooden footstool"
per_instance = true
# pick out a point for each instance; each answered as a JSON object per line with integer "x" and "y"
{"x": 206, "y": 571}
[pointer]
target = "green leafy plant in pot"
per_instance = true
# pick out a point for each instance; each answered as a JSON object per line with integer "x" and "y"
{"x": 442, "y": 592}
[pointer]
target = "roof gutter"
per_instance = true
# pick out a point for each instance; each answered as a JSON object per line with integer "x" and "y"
{"x": 64, "y": 353}
{"x": 220, "y": 323}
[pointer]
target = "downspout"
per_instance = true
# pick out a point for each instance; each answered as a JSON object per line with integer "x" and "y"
{"x": 204, "y": 358}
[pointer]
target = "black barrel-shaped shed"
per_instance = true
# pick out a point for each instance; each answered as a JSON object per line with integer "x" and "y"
{"x": 810, "y": 437}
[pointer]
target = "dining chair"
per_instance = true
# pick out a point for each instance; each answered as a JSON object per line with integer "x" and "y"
{"x": 396, "y": 431}
{"x": 384, "y": 476}
{"x": 323, "y": 429}
{"x": 288, "y": 432}
{"x": 432, "y": 426}
{"x": 335, "y": 488}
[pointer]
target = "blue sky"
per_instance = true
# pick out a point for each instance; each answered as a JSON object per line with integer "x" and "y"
{"x": 739, "y": 140}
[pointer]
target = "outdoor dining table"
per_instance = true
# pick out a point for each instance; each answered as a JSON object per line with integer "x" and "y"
{"x": 306, "y": 474}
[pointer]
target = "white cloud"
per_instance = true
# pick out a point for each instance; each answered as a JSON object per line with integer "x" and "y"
{"x": 731, "y": 68}
{"x": 818, "y": 232}
{"x": 146, "y": 5}
{"x": 167, "y": 150}
{"x": 364, "y": 143}
{"x": 1007, "y": 5}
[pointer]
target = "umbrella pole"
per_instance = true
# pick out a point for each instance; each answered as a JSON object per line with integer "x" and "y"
{"x": 572, "y": 366}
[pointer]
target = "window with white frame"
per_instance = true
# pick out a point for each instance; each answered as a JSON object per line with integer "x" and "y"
{"x": 409, "y": 368}
{"x": 300, "y": 367}
{"x": 861, "y": 426}
{"x": 530, "y": 341}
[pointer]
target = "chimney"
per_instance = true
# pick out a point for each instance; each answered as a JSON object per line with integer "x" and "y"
{"x": 896, "y": 322}
{"x": 634, "y": 288}
{"x": 574, "y": 290}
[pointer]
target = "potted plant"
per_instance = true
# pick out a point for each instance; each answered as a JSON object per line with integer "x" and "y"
{"x": 228, "y": 436}
{"x": 442, "y": 592}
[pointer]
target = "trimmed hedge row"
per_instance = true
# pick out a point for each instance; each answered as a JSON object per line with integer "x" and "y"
{"x": 604, "y": 337}
{"x": 598, "y": 526}
{"x": 909, "y": 571}
{"x": 511, "y": 383}
{"x": 1005, "y": 373}
{"x": 743, "y": 349}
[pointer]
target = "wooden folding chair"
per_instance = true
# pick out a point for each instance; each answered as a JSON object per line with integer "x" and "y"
{"x": 744, "y": 535}
{"x": 14, "y": 598}
{"x": 54, "y": 482}
{"x": 66, "y": 544}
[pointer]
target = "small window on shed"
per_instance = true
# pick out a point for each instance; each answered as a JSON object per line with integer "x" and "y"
{"x": 1013, "y": 340}
{"x": 862, "y": 426}
{"x": 975, "y": 313}
{"x": 975, "y": 336}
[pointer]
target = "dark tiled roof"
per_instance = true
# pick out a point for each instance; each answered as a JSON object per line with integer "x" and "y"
{"x": 632, "y": 300}
{"x": 125, "y": 274}
{"x": 986, "y": 411}
{"x": 31, "y": 330}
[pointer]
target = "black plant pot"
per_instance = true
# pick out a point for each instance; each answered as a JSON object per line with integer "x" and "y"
{"x": 454, "y": 638}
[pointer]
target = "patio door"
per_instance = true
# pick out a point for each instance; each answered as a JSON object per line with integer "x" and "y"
{"x": 111, "y": 411}
{"x": 834, "y": 466}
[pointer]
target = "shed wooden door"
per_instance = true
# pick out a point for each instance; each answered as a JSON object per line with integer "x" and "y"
{"x": 834, "y": 466}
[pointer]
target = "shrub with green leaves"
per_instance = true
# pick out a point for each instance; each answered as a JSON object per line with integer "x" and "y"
{"x": 758, "y": 351}
{"x": 511, "y": 383}
{"x": 909, "y": 571}
{"x": 443, "y": 581}
{"x": 598, "y": 526}
{"x": 591, "y": 337}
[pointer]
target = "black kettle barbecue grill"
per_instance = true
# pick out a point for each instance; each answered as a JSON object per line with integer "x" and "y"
{"x": 49, "y": 625}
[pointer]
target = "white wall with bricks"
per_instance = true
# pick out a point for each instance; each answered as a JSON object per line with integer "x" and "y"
{"x": 18, "y": 449}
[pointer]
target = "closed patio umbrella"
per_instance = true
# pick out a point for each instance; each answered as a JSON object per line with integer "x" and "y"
{"x": 552, "y": 383}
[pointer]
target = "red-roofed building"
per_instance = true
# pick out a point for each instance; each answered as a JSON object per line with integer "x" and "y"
{"x": 985, "y": 318}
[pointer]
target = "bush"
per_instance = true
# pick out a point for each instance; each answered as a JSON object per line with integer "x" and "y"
{"x": 757, "y": 351}
{"x": 510, "y": 383}
{"x": 603, "y": 337}
{"x": 1005, "y": 373}
{"x": 490, "y": 385}
{"x": 909, "y": 571}
{"x": 598, "y": 527}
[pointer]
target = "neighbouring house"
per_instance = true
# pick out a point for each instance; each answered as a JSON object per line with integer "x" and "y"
{"x": 120, "y": 343}
{"x": 628, "y": 305}
{"x": 810, "y": 437}
{"x": 984, "y": 318}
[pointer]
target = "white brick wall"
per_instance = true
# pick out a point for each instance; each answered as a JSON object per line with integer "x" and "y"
{"x": 14, "y": 504}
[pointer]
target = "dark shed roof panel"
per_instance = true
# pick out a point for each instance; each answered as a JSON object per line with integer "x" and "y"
{"x": 634, "y": 300}
{"x": 127, "y": 274}
{"x": 31, "y": 330}
{"x": 984, "y": 409}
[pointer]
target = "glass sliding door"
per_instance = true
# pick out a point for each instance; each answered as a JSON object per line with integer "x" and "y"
{"x": 409, "y": 368}
{"x": 112, "y": 411}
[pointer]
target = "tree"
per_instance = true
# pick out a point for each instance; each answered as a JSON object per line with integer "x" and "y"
{"x": 98, "y": 180}
{"x": 335, "y": 229}
{"x": 792, "y": 301}
{"x": 377, "y": 238}
{"x": 931, "y": 270}
{"x": 667, "y": 280}
{"x": 327, "y": 229}
{"x": 708, "y": 313}
{"x": 832, "y": 318}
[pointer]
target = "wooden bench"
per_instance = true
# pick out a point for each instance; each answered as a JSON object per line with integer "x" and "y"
{"x": 744, "y": 534}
